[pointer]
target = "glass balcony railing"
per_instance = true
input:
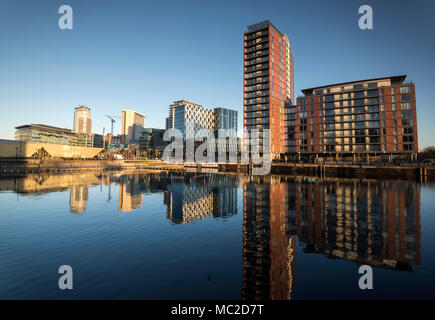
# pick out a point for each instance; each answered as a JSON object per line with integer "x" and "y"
{"x": 257, "y": 47}
{"x": 257, "y": 87}
{"x": 255, "y": 81}
{"x": 257, "y": 54}
{"x": 258, "y": 60}
{"x": 257, "y": 94}
{"x": 257, "y": 100}
{"x": 256, "y": 35}
{"x": 256, "y": 41}
{"x": 256, "y": 74}
{"x": 257, "y": 67}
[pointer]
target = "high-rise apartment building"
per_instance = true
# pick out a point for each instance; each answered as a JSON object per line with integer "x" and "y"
{"x": 82, "y": 120}
{"x": 133, "y": 123}
{"x": 364, "y": 118}
{"x": 268, "y": 82}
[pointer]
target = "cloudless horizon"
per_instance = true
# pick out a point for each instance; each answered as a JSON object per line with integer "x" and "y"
{"x": 143, "y": 55}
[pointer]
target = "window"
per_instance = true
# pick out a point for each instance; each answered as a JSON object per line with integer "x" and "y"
{"x": 407, "y": 122}
{"x": 360, "y": 132}
{"x": 407, "y": 131}
{"x": 406, "y": 114}
{"x": 406, "y": 89}
{"x": 405, "y": 106}
{"x": 408, "y": 139}
{"x": 408, "y": 147}
{"x": 405, "y": 97}
{"x": 360, "y": 140}
{"x": 359, "y": 94}
{"x": 372, "y": 93}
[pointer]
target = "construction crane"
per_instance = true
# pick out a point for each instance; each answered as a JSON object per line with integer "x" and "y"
{"x": 112, "y": 121}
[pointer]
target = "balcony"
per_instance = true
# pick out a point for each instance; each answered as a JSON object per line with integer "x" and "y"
{"x": 257, "y": 94}
{"x": 257, "y": 87}
{"x": 258, "y": 60}
{"x": 255, "y": 81}
{"x": 257, "y": 67}
{"x": 256, "y": 35}
{"x": 256, "y": 74}
{"x": 257, "y": 100}
{"x": 257, "y": 47}
{"x": 253, "y": 115}
{"x": 257, "y": 54}
{"x": 254, "y": 108}
{"x": 256, "y": 41}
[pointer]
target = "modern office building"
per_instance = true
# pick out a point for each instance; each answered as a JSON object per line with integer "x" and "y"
{"x": 41, "y": 133}
{"x": 152, "y": 142}
{"x": 82, "y": 120}
{"x": 358, "y": 119}
{"x": 133, "y": 124}
{"x": 183, "y": 112}
{"x": 189, "y": 118}
{"x": 268, "y": 82}
{"x": 225, "y": 119}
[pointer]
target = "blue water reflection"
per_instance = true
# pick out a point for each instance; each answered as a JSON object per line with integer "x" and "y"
{"x": 212, "y": 236}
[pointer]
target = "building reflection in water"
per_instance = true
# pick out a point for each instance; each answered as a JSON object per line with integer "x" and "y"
{"x": 78, "y": 198}
{"x": 195, "y": 196}
{"x": 130, "y": 193}
{"x": 187, "y": 197}
{"x": 375, "y": 223}
{"x": 368, "y": 222}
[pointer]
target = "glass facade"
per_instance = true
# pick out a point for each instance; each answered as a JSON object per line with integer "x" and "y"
{"x": 226, "y": 118}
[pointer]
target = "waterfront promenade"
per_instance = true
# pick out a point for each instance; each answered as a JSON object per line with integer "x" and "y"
{"x": 404, "y": 171}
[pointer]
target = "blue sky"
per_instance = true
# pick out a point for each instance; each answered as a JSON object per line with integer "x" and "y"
{"x": 143, "y": 55}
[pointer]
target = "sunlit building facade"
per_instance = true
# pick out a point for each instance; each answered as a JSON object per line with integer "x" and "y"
{"x": 268, "y": 82}
{"x": 365, "y": 118}
{"x": 82, "y": 120}
{"x": 133, "y": 123}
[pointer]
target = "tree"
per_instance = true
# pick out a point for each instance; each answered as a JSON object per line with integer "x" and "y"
{"x": 427, "y": 153}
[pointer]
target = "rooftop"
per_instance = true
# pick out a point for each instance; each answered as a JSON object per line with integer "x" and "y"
{"x": 44, "y": 127}
{"x": 134, "y": 112}
{"x": 262, "y": 25}
{"x": 82, "y": 107}
{"x": 394, "y": 79}
{"x": 183, "y": 102}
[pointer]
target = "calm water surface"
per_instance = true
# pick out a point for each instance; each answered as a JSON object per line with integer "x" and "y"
{"x": 211, "y": 236}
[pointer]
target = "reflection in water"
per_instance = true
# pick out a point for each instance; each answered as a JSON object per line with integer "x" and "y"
{"x": 368, "y": 222}
{"x": 193, "y": 197}
{"x": 375, "y": 223}
{"x": 78, "y": 198}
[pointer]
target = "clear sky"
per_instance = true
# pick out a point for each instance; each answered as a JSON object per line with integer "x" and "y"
{"x": 143, "y": 55}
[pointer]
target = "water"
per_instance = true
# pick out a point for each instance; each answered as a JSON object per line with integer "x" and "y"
{"x": 211, "y": 236}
